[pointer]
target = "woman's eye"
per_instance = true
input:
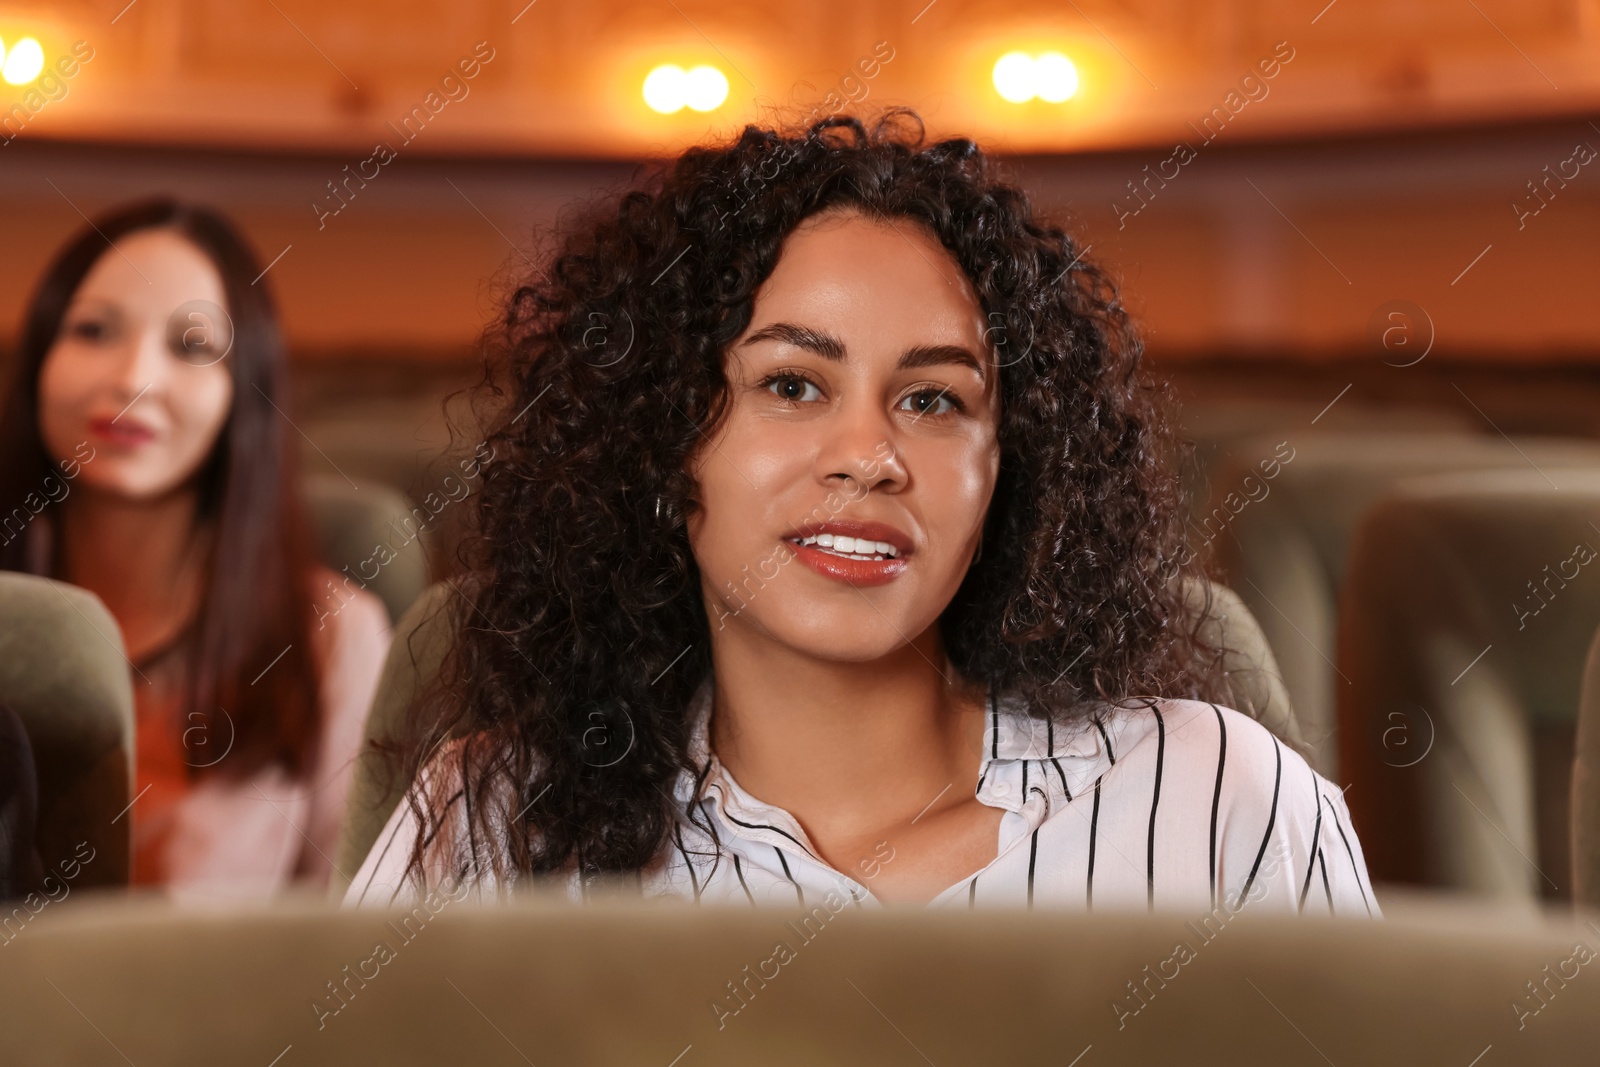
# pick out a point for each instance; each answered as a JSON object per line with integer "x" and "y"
{"x": 200, "y": 332}
{"x": 931, "y": 402}
{"x": 788, "y": 387}
{"x": 87, "y": 330}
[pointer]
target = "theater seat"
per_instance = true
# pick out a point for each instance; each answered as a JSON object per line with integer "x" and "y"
{"x": 1467, "y": 613}
{"x": 422, "y": 637}
{"x": 1585, "y": 819}
{"x": 62, "y": 670}
{"x": 671, "y": 985}
{"x": 1283, "y": 542}
{"x": 369, "y": 532}
{"x": 1254, "y": 681}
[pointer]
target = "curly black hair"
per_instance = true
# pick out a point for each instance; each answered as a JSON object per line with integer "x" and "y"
{"x": 581, "y": 592}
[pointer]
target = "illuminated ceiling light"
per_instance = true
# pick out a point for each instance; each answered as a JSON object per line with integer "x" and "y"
{"x": 1019, "y": 77}
{"x": 1054, "y": 77}
{"x": 705, "y": 88}
{"x": 1014, "y": 77}
{"x": 666, "y": 88}
{"x": 24, "y": 62}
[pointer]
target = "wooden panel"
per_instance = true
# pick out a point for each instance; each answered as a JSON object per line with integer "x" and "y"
{"x": 565, "y": 79}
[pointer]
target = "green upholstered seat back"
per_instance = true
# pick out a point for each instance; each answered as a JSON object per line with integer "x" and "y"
{"x": 369, "y": 533}
{"x": 421, "y": 639}
{"x": 1584, "y": 832}
{"x": 551, "y": 983}
{"x": 63, "y": 671}
{"x": 1285, "y": 550}
{"x": 1464, "y": 627}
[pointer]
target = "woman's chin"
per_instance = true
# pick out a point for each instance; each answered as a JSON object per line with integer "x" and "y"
{"x": 860, "y": 641}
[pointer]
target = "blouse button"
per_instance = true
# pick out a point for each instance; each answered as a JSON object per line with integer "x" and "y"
{"x": 1001, "y": 789}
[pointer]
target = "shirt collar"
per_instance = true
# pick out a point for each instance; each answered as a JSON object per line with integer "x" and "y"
{"x": 1013, "y": 734}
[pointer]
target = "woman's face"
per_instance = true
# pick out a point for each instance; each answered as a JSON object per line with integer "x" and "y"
{"x": 136, "y": 370}
{"x": 864, "y": 403}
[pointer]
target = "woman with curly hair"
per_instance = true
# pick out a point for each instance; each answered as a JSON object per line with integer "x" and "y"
{"x": 833, "y": 551}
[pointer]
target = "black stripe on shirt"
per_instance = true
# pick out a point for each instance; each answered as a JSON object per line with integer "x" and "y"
{"x": 798, "y": 892}
{"x": 677, "y": 835}
{"x": 1323, "y": 863}
{"x": 777, "y": 830}
{"x": 1094, "y": 823}
{"x": 1272, "y": 818}
{"x": 738, "y": 869}
{"x": 1107, "y": 739}
{"x": 972, "y": 892}
{"x": 1033, "y": 859}
{"x": 1216, "y": 798}
{"x": 1155, "y": 799}
{"x": 1316, "y": 845}
{"x": 994, "y": 736}
{"x": 1354, "y": 868}
{"x": 1050, "y": 741}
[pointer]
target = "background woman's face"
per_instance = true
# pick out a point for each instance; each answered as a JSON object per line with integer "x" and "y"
{"x": 863, "y": 402}
{"x": 137, "y": 369}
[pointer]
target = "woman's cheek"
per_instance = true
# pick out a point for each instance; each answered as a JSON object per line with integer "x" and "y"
{"x": 203, "y": 399}
{"x": 965, "y": 472}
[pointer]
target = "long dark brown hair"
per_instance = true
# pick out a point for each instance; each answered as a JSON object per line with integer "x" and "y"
{"x": 581, "y": 592}
{"x": 257, "y": 601}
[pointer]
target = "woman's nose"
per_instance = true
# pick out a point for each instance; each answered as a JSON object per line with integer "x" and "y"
{"x": 143, "y": 363}
{"x": 861, "y": 448}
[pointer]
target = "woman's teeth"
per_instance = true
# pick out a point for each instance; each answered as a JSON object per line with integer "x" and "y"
{"x": 850, "y": 547}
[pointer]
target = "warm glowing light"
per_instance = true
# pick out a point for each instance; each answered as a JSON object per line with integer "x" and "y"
{"x": 664, "y": 88}
{"x": 1019, "y": 77}
{"x": 1054, "y": 77}
{"x": 1013, "y": 77}
{"x": 23, "y": 63}
{"x": 669, "y": 88}
{"x": 705, "y": 88}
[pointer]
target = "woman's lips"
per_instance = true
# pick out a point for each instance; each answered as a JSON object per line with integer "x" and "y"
{"x": 123, "y": 432}
{"x": 851, "y": 571}
{"x": 826, "y": 547}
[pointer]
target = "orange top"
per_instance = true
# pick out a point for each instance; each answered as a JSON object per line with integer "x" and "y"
{"x": 215, "y": 835}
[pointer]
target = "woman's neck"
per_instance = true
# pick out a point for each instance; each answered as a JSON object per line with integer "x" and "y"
{"x": 847, "y": 748}
{"x": 144, "y": 559}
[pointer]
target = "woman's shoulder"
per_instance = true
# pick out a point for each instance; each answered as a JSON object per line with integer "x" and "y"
{"x": 1181, "y": 723}
{"x": 1213, "y": 743}
{"x": 351, "y": 637}
{"x": 351, "y": 632}
{"x": 344, "y": 611}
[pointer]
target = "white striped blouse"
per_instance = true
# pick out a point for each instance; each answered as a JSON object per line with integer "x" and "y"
{"x": 1165, "y": 804}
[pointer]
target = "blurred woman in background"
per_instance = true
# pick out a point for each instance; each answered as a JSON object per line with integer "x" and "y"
{"x": 145, "y": 456}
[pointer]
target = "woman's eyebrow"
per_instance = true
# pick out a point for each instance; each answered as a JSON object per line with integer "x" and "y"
{"x": 830, "y": 347}
{"x": 823, "y": 344}
{"x": 936, "y": 355}
{"x": 90, "y": 303}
